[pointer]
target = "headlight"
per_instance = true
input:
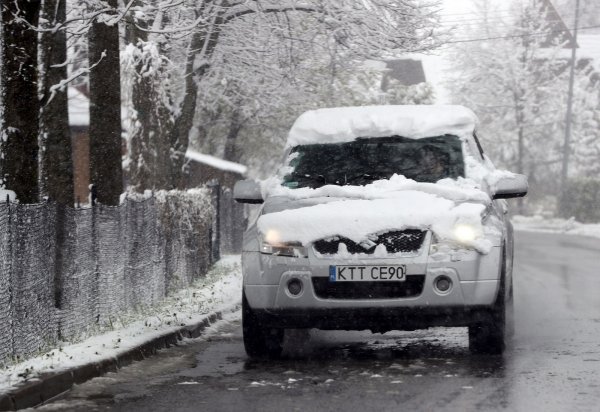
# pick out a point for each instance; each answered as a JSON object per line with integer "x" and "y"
{"x": 272, "y": 245}
{"x": 465, "y": 233}
{"x": 463, "y": 236}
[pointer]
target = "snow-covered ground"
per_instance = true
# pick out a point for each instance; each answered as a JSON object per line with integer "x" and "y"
{"x": 220, "y": 290}
{"x": 568, "y": 226}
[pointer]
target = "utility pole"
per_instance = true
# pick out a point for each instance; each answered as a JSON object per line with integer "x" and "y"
{"x": 569, "y": 119}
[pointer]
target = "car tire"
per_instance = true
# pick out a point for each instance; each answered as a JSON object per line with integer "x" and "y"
{"x": 510, "y": 314}
{"x": 259, "y": 342}
{"x": 488, "y": 335}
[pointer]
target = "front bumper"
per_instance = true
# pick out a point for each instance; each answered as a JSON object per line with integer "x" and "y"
{"x": 475, "y": 282}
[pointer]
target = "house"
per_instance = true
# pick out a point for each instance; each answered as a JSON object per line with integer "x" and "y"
{"x": 589, "y": 54}
{"x": 408, "y": 72}
{"x": 200, "y": 168}
{"x": 79, "y": 122}
{"x": 588, "y": 45}
{"x": 437, "y": 64}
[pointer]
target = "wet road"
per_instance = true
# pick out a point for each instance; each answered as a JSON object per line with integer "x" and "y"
{"x": 553, "y": 363}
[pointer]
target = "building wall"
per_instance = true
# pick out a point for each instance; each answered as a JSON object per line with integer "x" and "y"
{"x": 197, "y": 174}
{"x": 81, "y": 163}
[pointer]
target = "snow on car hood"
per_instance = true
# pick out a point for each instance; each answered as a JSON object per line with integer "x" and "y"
{"x": 355, "y": 212}
{"x": 459, "y": 190}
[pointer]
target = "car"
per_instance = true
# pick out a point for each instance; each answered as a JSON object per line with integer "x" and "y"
{"x": 380, "y": 218}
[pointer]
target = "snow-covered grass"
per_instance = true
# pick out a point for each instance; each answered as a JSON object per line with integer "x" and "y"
{"x": 556, "y": 225}
{"x": 220, "y": 290}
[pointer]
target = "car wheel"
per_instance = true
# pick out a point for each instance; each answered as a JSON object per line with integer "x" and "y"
{"x": 510, "y": 314}
{"x": 488, "y": 336}
{"x": 259, "y": 341}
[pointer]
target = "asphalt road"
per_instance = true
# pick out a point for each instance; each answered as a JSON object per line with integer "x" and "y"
{"x": 553, "y": 363}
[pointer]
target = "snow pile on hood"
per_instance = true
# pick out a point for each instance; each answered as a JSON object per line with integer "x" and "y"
{"x": 344, "y": 124}
{"x": 357, "y": 219}
{"x": 459, "y": 190}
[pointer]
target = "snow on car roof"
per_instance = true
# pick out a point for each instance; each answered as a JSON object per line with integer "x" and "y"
{"x": 344, "y": 124}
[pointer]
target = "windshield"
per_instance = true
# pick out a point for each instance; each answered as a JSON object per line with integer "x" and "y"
{"x": 367, "y": 159}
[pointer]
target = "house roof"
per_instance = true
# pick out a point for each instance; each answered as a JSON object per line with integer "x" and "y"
{"x": 407, "y": 71}
{"x": 558, "y": 29}
{"x": 215, "y": 162}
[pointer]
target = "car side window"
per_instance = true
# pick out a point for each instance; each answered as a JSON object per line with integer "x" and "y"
{"x": 478, "y": 146}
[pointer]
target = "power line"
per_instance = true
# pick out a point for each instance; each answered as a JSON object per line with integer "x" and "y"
{"x": 475, "y": 12}
{"x": 501, "y": 14}
{"x": 491, "y": 17}
{"x": 498, "y": 21}
{"x": 516, "y": 36}
{"x": 502, "y": 18}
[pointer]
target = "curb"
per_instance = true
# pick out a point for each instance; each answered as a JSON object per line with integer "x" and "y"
{"x": 49, "y": 385}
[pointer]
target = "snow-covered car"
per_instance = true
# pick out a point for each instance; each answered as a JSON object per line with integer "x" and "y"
{"x": 381, "y": 218}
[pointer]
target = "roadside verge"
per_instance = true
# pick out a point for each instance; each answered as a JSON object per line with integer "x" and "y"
{"x": 555, "y": 225}
{"x": 136, "y": 336}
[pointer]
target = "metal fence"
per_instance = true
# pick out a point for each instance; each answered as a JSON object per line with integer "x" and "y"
{"x": 65, "y": 272}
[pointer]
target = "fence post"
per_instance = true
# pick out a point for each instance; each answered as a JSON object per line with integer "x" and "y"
{"x": 60, "y": 237}
{"x": 94, "y": 194}
{"x": 11, "y": 286}
{"x": 216, "y": 227}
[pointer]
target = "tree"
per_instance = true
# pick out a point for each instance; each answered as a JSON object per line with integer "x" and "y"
{"x": 589, "y": 11}
{"x": 265, "y": 114}
{"x": 20, "y": 104}
{"x": 146, "y": 81}
{"x": 57, "y": 165}
{"x": 232, "y": 41}
{"x": 517, "y": 84}
{"x": 105, "y": 107}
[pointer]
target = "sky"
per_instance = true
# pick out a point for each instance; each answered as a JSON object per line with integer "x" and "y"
{"x": 454, "y": 12}
{"x": 461, "y": 13}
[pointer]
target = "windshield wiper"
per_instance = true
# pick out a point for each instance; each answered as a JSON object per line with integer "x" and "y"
{"x": 314, "y": 178}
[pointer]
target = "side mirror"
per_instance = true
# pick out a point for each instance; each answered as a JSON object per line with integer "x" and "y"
{"x": 508, "y": 187}
{"x": 247, "y": 191}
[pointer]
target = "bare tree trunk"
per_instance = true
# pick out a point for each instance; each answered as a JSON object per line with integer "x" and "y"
{"x": 57, "y": 165}
{"x": 203, "y": 41}
{"x": 105, "y": 111}
{"x": 19, "y": 73}
{"x": 150, "y": 167}
{"x": 139, "y": 166}
{"x": 185, "y": 121}
{"x": 235, "y": 127}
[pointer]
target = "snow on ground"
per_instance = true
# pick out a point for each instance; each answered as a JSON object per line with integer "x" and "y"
{"x": 7, "y": 194}
{"x": 566, "y": 226}
{"x": 220, "y": 290}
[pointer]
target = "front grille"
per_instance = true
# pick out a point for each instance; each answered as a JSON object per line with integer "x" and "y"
{"x": 395, "y": 242}
{"x": 411, "y": 287}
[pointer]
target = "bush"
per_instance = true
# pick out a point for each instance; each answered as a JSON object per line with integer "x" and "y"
{"x": 582, "y": 200}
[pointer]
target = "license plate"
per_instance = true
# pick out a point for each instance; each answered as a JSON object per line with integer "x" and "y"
{"x": 369, "y": 273}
